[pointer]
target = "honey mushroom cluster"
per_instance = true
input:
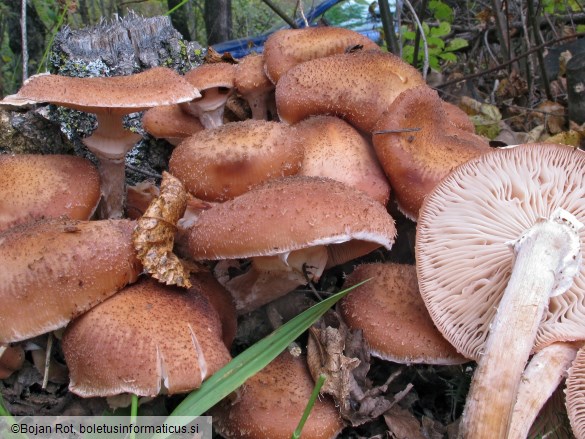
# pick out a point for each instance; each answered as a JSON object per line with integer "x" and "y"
{"x": 273, "y": 202}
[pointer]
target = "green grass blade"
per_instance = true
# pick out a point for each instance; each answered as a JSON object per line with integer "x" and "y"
{"x": 10, "y": 421}
{"x": 169, "y": 12}
{"x": 57, "y": 27}
{"x": 251, "y": 361}
{"x": 314, "y": 394}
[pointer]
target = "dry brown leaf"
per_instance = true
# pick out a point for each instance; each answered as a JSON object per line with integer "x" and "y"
{"x": 552, "y": 114}
{"x": 325, "y": 356}
{"x": 154, "y": 234}
{"x": 571, "y": 138}
{"x": 402, "y": 424}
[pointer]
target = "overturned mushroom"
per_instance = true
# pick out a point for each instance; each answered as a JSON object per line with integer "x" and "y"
{"x": 499, "y": 265}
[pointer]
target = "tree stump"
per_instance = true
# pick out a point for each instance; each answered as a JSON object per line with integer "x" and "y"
{"x": 576, "y": 88}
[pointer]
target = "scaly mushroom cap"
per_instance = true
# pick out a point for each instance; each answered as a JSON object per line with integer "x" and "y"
{"x": 146, "y": 340}
{"x": 46, "y": 186}
{"x": 288, "y": 47}
{"x": 114, "y": 94}
{"x": 463, "y": 258}
{"x": 214, "y": 75}
{"x": 221, "y": 163}
{"x": 416, "y": 161}
{"x": 357, "y": 87}
{"x": 575, "y": 393}
{"x": 334, "y": 149}
{"x": 54, "y": 270}
{"x": 458, "y": 117}
{"x": 390, "y": 311}
{"x": 171, "y": 123}
{"x": 289, "y": 214}
{"x": 269, "y": 405}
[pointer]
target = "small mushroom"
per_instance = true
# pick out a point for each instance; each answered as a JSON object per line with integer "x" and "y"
{"x": 46, "y": 186}
{"x": 499, "y": 264}
{"x": 171, "y": 123}
{"x": 127, "y": 344}
{"x": 255, "y": 87}
{"x": 271, "y": 403}
{"x": 11, "y": 360}
{"x": 216, "y": 83}
{"x": 110, "y": 99}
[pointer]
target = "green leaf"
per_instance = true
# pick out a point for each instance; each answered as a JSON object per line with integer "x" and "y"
{"x": 441, "y": 11}
{"x": 249, "y": 362}
{"x": 435, "y": 43}
{"x": 409, "y": 35}
{"x": 434, "y": 63}
{"x": 441, "y": 30}
{"x": 426, "y": 28}
{"x": 456, "y": 44}
{"x": 448, "y": 56}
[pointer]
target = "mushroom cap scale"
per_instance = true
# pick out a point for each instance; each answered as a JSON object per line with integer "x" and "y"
{"x": 289, "y": 214}
{"x": 114, "y": 94}
{"x": 213, "y": 75}
{"x": 43, "y": 186}
{"x": 369, "y": 84}
{"x": 286, "y": 48}
{"x": 463, "y": 258}
{"x": 54, "y": 270}
{"x": 126, "y": 343}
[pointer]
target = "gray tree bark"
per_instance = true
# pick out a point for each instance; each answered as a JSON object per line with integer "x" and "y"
{"x": 218, "y": 20}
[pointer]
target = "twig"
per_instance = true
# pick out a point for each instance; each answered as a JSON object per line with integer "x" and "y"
{"x": 423, "y": 36}
{"x": 48, "y": 353}
{"x": 281, "y": 13}
{"x": 24, "y": 39}
{"x": 513, "y": 60}
{"x": 402, "y": 130}
{"x": 142, "y": 171}
{"x": 302, "y": 12}
{"x": 539, "y": 56}
{"x": 417, "y": 37}
{"x": 497, "y": 9}
{"x": 487, "y": 46}
{"x": 388, "y": 26}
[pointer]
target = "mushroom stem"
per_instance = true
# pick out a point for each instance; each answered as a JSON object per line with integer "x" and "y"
{"x": 548, "y": 256}
{"x": 542, "y": 376}
{"x": 109, "y": 143}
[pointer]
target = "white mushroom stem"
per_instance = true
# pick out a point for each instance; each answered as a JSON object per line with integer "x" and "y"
{"x": 210, "y": 107}
{"x": 110, "y": 142}
{"x": 548, "y": 256}
{"x": 542, "y": 376}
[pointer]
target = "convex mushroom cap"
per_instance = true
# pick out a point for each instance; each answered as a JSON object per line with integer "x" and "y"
{"x": 286, "y": 226}
{"x": 392, "y": 315}
{"x": 286, "y": 48}
{"x": 170, "y": 122}
{"x": 146, "y": 340}
{"x": 221, "y": 163}
{"x": 531, "y": 198}
{"x": 53, "y": 270}
{"x": 270, "y": 404}
{"x": 46, "y": 186}
{"x": 357, "y": 87}
{"x": 415, "y": 161}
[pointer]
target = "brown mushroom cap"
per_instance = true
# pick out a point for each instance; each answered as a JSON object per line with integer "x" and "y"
{"x": 147, "y": 339}
{"x": 269, "y": 405}
{"x": 334, "y": 149}
{"x": 254, "y": 86}
{"x": 289, "y": 214}
{"x": 221, "y": 163}
{"x": 114, "y": 95}
{"x": 463, "y": 257}
{"x": 286, "y": 48}
{"x": 54, "y": 270}
{"x": 357, "y": 87}
{"x": 171, "y": 123}
{"x": 11, "y": 360}
{"x": 45, "y": 186}
{"x": 416, "y": 161}
{"x": 575, "y": 393}
{"x": 392, "y": 315}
